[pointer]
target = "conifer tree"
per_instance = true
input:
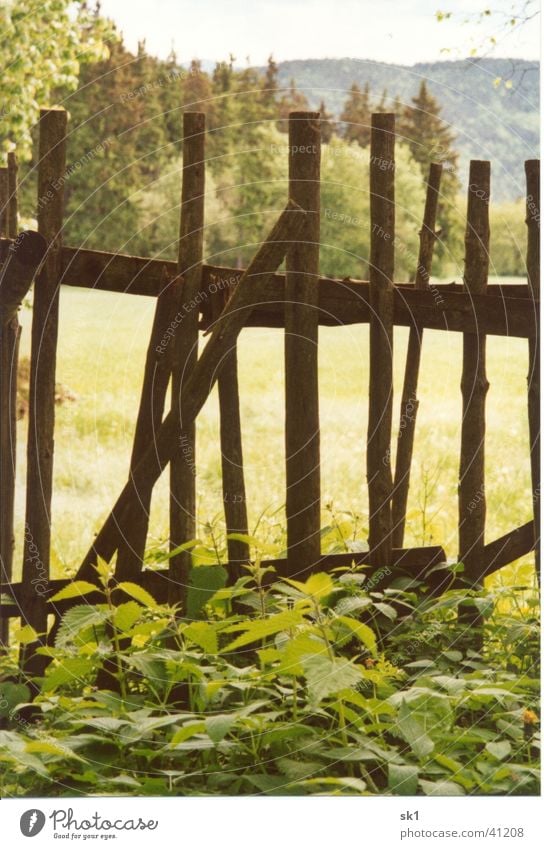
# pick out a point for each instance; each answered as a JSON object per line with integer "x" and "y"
{"x": 431, "y": 140}
{"x": 356, "y": 116}
{"x": 328, "y": 126}
{"x": 270, "y": 87}
{"x": 292, "y": 100}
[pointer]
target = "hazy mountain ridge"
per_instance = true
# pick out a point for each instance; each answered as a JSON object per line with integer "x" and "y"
{"x": 490, "y": 121}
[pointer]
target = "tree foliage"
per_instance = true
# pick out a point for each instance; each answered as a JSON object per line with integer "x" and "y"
{"x": 43, "y": 47}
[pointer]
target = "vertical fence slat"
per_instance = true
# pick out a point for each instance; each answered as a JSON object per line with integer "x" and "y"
{"x": 9, "y": 361}
{"x": 532, "y": 173}
{"x": 12, "y": 213}
{"x": 16, "y": 276}
{"x": 41, "y": 413}
{"x": 409, "y": 402}
{"x": 158, "y": 367}
{"x": 183, "y": 464}
{"x": 302, "y": 440}
{"x": 232, "y": 457}
{"x": 232, "y": 462}
{"x": 381, "y": 271}
{"x": 474, "y": 385}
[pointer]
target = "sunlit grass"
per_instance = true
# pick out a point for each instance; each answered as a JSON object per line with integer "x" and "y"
{"x": 102, "y": 344}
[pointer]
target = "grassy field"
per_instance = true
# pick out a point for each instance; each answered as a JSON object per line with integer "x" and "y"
{"x": 102, "y": 345}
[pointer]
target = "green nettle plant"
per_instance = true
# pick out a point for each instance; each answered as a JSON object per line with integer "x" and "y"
{"x": 335, "y": 685}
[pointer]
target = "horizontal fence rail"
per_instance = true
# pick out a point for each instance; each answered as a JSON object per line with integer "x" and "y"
{"x": 506, "y": 310}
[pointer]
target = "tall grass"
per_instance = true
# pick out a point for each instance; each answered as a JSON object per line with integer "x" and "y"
{"x": 102, "y": 345}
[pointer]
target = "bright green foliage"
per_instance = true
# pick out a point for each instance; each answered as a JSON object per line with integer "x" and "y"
{"x": 356, "y": 116}
{"x": 345, "y": 204}
{"x": 43, "y": 46}
{"x": 287, "y": 687}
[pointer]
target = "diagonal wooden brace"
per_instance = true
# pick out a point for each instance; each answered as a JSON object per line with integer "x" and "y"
{"x": 195, "y": 392}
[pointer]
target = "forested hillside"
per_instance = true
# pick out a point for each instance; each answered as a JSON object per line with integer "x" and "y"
{"x": 124, "y": 152}
{"x": 491, "y": 104}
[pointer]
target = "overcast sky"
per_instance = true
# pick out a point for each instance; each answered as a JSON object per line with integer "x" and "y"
{"x": 404, "y": 31}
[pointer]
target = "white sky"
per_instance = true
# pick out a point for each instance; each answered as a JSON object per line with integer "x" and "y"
{"x": 403, "y": 31}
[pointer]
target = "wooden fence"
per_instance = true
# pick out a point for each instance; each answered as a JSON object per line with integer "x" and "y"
{"x": 221, "y": 301}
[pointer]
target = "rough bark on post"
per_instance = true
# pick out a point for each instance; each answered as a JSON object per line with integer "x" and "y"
{"x": 303, "y": 478}
{"x": 199, "y": 385}
{"x": 12, "y": 213}
{"x": 474, "y": 387}
{"x": 4, "y": 202}
{"x": 409, "y": 402}
{"x": 232, "y": 458}
{"x": 157, "y": 371}
{"x": 41, "y": 412}
{"x": 183, "y": 465}
{"x": 532, "y": 173}
{"x": 16, "y": 275}
{"x": 381, "y": 271}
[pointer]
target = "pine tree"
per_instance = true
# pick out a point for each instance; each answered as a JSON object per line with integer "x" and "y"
{"x": 431, "y": 140}
{"x": 170, "y": 98}
{"x": 356, "y": 116}
{"x": 197, "y": 90}
{"x": 292, "y": 100}
{"x": 383, "y": 104}
{"x": 328, "y": 126}
{"x": 270, "y": 87}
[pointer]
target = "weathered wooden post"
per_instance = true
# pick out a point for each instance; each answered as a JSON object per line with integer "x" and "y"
{"x": 381, "y": 271}
{"x": 474, "y": 387}
{"x": 41, "y": 413}
{"x": 302, "y": 440}
{"x": 157, "y": 371}
{"x": 191, "y": 238}
{"x": 12, "y": 213}
{"x": 23, "y": 259}
{"x": 409, "y": 403}
{"x": 4, "y": 202}
{"x": 532, "y": 173}
{"x": 232, "y": 457}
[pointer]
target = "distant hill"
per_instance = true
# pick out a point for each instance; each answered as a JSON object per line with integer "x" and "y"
{"x": 490, "y": 121}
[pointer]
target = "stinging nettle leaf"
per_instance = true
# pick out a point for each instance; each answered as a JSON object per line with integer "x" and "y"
{"x": 137, "y": 592}
{"x": 77, "y": 588}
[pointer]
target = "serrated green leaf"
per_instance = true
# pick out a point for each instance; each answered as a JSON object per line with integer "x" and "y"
{"x": 11, "y": 695}
{"x": 77, "y": 619}
{"x": 499, "y": 749}
{"x": 413, "y": 733}
{"x": 46, "y": 748}
{"x": 296, "y": 650}
{"x": 75, "y": 589}
{"x": 202, "y": 634}
{"x": 441, "y": 788}
{"x": 71, "y": 671}
{"x": 186, "y": 732}
{"x": 402, "y": 779}
{"x": 217, "y": 727}
{"x": 26, "y": 635}
{"x": 362, "y": 632}
{"x": 204, "y": 581}
{"x": 138, "y": 593}
{"x": 258, "y": 629}
{"x": 326, "y": 677}
{"x": 126, "y": 615}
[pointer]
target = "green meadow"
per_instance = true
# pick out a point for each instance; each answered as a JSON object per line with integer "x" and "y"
{"x": 102, "y": 344}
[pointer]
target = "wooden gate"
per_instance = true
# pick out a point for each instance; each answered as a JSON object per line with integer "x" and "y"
{"x": 192, "y": 297}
